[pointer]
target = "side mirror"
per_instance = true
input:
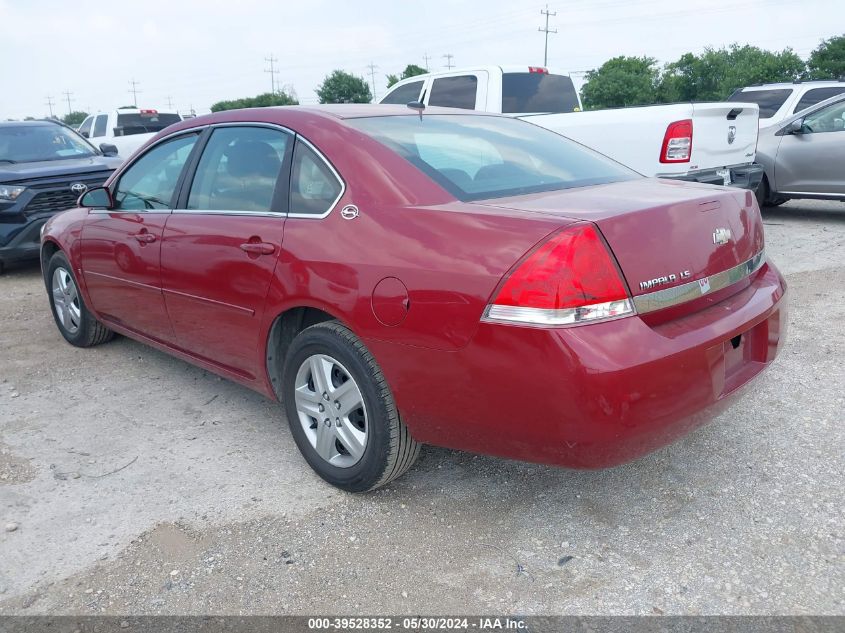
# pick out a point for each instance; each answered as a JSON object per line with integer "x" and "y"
{"x": 85, "y": 134}
{"x": 796, "y": 127}
{"x": 96, "y": 198}
{"x": 108, "y": 149}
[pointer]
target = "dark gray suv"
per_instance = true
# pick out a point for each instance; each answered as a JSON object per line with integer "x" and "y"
{"x": 44, "y": 167}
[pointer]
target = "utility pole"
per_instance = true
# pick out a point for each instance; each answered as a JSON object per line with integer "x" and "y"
{"x": 272, "y": 70}
{"x": 449, "y": 63}
{"x": 169, "y": 102}
{"x": 49, "y": 104}
{"x": 426, "y": 58}
{"x": 546, "y": 30}
{"x": 372, "y": 68}
{"x": 67, "y": 96}
{"x": 134, "y": 90}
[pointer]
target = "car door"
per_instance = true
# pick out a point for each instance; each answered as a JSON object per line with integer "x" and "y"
{"x": 812, "y": 161}
{"x": 220, "y": 247}
{"x": 121, "y": 246}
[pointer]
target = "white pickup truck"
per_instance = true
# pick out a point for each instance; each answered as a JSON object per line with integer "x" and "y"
{"x": 126, "y": 128}
{"x": 705, "y": 142}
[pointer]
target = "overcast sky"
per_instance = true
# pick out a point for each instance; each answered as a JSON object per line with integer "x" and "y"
{"x": 196, "y": 52}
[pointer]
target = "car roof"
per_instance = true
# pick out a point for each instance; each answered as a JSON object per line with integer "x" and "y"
{"x": 795, "y": 84}
{"x": 362, "y": 110}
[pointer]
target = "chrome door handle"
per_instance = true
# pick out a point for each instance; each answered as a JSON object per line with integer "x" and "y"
{"x": 258, "y": 248}
{"x": 145, "y": 238}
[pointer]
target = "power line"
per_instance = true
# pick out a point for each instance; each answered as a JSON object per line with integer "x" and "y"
{"x": 272, "y": 70}
{"x": 449, "y": 64}
{"x": 546, "y": 30}
{"x": 426, "y": 58}
{"x": 134, "y": 90}
{"x": 67, "y": 96}
{"x": 169, "y": 102}
{"x": 372, "y": 68}
{"x": 49, "y": 104}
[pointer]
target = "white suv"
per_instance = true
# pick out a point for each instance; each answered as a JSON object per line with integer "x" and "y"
{"x": 778, "y": 101}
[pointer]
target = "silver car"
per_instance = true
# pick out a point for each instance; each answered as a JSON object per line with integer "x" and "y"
{"x": 804, "y": 155}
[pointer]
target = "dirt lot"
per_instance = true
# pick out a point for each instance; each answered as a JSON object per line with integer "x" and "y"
{"x": 131, "y": 482}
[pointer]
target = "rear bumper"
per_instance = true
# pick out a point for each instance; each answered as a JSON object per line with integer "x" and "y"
{"x": 746, "y": 176}
{"x": 589, "y": 396}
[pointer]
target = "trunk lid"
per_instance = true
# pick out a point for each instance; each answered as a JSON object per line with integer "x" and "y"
{"x": 723, "y": 134}
{"x": 659, "y": 230}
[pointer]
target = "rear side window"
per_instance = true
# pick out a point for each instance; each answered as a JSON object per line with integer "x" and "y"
{"x": 143, "y": 122}
{"x": 100, "y": 125}
{"x": 454, "y": 92}
{"x": 769, "y": 101}
{"x": 812, "y": 97}
{"x": 538, "y": 92}
{"x": 404, "y": 94}
{"x": 314, "y": 186}
{"x": 239, "y": 169}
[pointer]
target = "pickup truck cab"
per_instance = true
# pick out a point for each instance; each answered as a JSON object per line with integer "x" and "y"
{"x": 704, "y": 142}
{"x": 781, "y": 100}
{"x": 126, "y": 128}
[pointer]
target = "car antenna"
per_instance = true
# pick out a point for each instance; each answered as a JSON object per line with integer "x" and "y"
{"x": 419, "y": 106}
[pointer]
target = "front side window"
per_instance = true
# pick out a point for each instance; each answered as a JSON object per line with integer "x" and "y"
{"x": 100, "y": 125}
{"x": 829, "y": 119}
{"x": 150, "y": 182}
{"x": 239, "y": 169}
{"x": 404, "y": 95}
{"x": 454, "y": 92}
{"x": 476, "y": 157}
{"x": 314, "y": 187}
{"x": 769, "y": 101}
{"x": 812, "y": 97}
{"x": 85, "y": 128}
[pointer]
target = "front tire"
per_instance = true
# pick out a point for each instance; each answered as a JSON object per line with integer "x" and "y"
{"x": 75, "y": 322}
{"x": 764, "y": 195}
{"x": 341, "y": 411}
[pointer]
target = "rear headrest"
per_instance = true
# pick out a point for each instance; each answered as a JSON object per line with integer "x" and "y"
{"x": 252, "y": 158}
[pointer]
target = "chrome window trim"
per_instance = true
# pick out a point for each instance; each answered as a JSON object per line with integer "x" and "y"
{"x": 321, "y": 156}
{"x": 268, "y": 214}
{"x": 669, "y": 297}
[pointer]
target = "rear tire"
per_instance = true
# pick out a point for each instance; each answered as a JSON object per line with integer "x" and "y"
{"x": 341, "y": 411}
{"x": 75, "y": 322}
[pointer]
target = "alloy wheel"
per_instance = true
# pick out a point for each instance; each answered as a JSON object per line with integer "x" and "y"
{"x": 66, "y": 300}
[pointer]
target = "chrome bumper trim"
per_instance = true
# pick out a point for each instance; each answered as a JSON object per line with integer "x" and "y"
{"x": 676, "y": 295}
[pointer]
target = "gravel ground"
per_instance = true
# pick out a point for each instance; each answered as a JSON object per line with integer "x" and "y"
{"x": 133, "y": 483}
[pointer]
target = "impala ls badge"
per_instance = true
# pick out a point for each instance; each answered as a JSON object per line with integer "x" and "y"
{"x": 349, "y": 212}
{"x": 721, "y": 236}
{"x": 79, "y": 188}
{"x": 665, "y": 279}
{"x": 731, "y": 134}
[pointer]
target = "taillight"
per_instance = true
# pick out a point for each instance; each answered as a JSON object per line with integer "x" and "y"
{"x": 571, "y": 278}
{"x": 677, "y": 142}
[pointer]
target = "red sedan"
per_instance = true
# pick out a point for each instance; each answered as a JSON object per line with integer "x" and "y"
{"x": 398, "y": 277}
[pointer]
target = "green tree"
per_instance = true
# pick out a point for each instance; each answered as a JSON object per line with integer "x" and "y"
{"x": 74, "y": 118}
{"x": 621, "y": 81}
{"x": 341, "y": 87}
{"x": 716, "y": 73}
{"x": 411, "y": 70}
{"x": 828, "y": 60}
{"x": 264, "y": 100}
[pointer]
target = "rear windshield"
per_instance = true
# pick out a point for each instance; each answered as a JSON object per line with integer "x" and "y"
{"x": 769, "y": 101}
{"x": 538, "y": 92}
{"x": 141, "y": 123}
{"x": 480, "y": 157}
